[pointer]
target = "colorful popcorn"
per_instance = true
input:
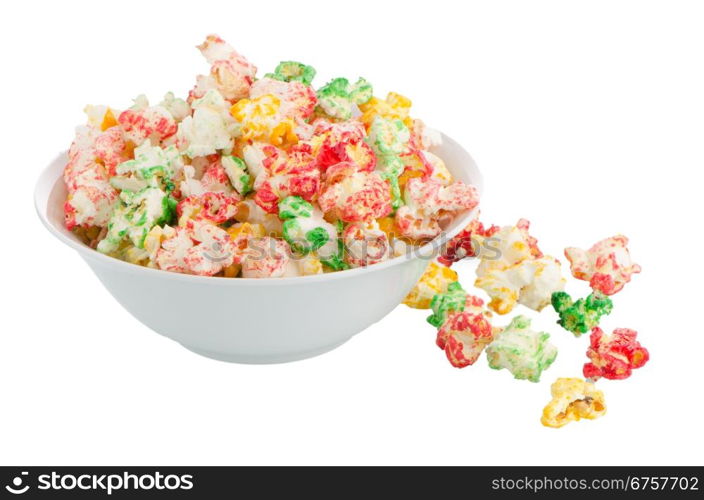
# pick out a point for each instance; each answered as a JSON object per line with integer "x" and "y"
{"x": 524, "y": 352}
{"x": 467, "y": 243}
{"x": 607, "y": 265}
{"x": 338, "y": 97}
{"x": 519, "y": 272}
{"x": 434, "y": 281}
{"x": 465, "y": 333}
{"x": 614, "y": 356}
{"x": 581, "y": 315}
{"x": 463, "y": 325}
{"x": 572, "y": 399}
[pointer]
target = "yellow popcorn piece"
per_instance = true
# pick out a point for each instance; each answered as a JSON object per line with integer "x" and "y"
{"x": 260, "y": 120}
{"x": 248, "y": 228}
{"x": 435, "y": 280}
{"x": 395, "y": 106}
{"x": 572, "y": 399}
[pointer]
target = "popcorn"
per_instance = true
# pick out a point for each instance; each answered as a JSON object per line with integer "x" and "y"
{"x": 434, "y": 281}
{"x": 304, "y": 229}
{"x": 201, "y": 185}
{"x": 467, "y": 242}
{"x": 614, "y": 356}
{"x": 266, "y": 258}
{"x": 134, "y": 217}
{"x": 522, "y": 351}
{"x": 338, "y": 97}
{"x": 607, "y": 265}
{"x": 572, "y": 399}
{"x": 278, "y": 174}
{"x": 355, "y": 196}
{"x": 91, "y": 198}
{"x": 582, "y": 315}
{"x": 333, "y": 143}
{"x": 453, "y": 300}
{"x": 388, "y": 140}
{"x": 261, "y": 120}
{"x": 151, "y": 166}
{"x": 236, "y": 170}
{"x": 142, "y": 122}
{"x": 292, "y": 71}
{"x": 521, "y": 273}
{"x": 210, "y": 129}
{"x": 101, "y": 117}
{"x": 394, "y": 107}
{"x": 463, "y": 326}
{"x": 177, "y": 107}
{"x": 365, "y": 244}
{"x": 199, "y": 248}
{"x": 427, "y": 201}
{"x": 296, "y": 100}
{"x": 216, "y": 207}
{"x": 230, "y": 73}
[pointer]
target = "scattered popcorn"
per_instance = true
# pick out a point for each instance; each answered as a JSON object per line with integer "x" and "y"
{"x": 520, "y": 273}
{"x": 581, "y": 315}
{"x": 522, "y": 351}
{"x": 614, "y": 356}
{"x": 607, "y": 265}
{"x": 434, "y": 281}
{"x": 572, "y": 399}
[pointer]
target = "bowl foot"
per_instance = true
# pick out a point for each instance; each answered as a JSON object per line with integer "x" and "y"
{"x": 264, "y": 359}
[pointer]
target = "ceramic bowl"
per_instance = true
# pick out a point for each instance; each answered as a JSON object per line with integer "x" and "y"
{"x": 256, "y": 320}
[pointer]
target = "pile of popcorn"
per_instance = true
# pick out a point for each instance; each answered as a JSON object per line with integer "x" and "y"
{"x": 259, "y": 177}
{"x": 512, "y": 270}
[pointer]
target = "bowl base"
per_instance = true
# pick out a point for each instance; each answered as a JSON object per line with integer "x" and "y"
{"x": 264, "y": 359}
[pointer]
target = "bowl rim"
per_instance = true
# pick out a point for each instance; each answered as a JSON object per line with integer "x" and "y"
{"x": 47, "y": 182}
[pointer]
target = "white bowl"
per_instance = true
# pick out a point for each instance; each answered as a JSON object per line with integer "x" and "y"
{"x": 255, "y": 320}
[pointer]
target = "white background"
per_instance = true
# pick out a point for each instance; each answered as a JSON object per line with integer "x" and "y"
{"x": 585, "y": 117}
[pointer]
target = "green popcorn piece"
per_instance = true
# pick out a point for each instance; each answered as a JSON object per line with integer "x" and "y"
{"x": 388, "y": 137}
{"x": 361, "y": 91}
{"x": 294, "y": 206}
{"x": 454, "y": 300}
{"x": 135, "y": 215}
{"x": 236, "y": 170}
{"x": 336, "y": 261}
{"x": 337, "y": 97}
{"x": 151, "y": 166}
{"x": 304, "y": 235}
{"x": 293, "y": 71}
{"x": 524, "y": 352}
{"x": 582, "y": 315}
{"x": 396, "y": 198}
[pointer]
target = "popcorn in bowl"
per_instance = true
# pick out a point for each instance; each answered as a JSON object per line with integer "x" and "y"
{"x": 322, "y": 173}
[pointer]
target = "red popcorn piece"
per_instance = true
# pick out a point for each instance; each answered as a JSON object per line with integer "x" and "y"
{"x": 365, "y": 244}
{"x": 216, "y": 207}
{"x": 427, "y": 202}
{"x": 231, "y": 74}
{"x": 266, "y": 257}
{"x": 149, "y": 123}
{"x": 607, "y": 265}
{"x": 297, "y": 99}
{"x": 464, "y": 334}
{"x": 355, "y": 196}
{"x": 614, "y": 356}
{"x": 111, "y": 149}
{"x": 462, "y": 245}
